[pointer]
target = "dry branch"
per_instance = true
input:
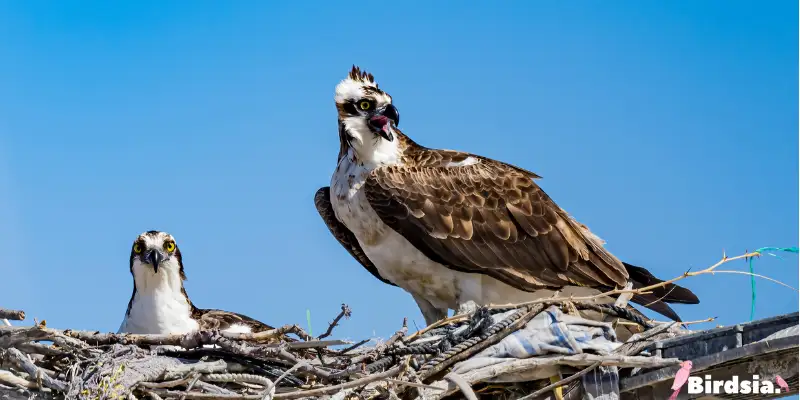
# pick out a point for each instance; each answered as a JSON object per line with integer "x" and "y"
{"x": 344, "y": 313}
{"x": 14, "y": 315}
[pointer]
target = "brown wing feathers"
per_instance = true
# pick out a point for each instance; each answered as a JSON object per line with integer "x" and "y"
{"x": 218, "y": 319}
{"x": 489, "y": 218}
{"x": 492, "y": 218}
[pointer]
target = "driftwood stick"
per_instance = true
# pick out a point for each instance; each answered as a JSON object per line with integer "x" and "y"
{"x": 34, "y": 371}
{"x": 11, "y": 336}
{"x": 345, "y": 313}
{"x": 333, "y": 389}
{"x": 10, "y": 379}
{"x": 14, "y": 315}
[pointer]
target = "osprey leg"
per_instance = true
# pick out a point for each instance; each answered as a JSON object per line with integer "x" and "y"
{"x": 429, "y": 312}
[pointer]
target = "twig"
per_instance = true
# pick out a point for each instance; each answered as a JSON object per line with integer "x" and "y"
{"x": 725, "y": 271}
{"x": 346, "y": 312}
{"x": 285, "y": 355}
{"x": 10, "y": 379}
{"x": 14, "y": 315}
{"x": 154, "y": 396}
{"x": 641, "y": 290}
{"x": 269, "y": 390}
{"x": 311, "y": 344}
{"x": 462, "y": 384}
{"x": 702, "y": 321}
{"x": 11, "y": 336}
{"x": 413, "y": 384}
{"x": 353, "y": 347}
{"x": 379, "y": 349}
{"x": 333, "y": 389}
{"x": 440, "y": 323}
{"x": 191, "y": 385}
{"x": 35, "y": 372}
{"x": 562, "y": 382}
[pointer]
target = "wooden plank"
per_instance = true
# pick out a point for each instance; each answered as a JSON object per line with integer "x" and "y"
{"x": 766, "y": 359}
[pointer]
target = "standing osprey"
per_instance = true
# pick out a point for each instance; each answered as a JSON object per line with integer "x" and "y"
{"x": 453, "y": 228}
{"x": 159, "y": 303}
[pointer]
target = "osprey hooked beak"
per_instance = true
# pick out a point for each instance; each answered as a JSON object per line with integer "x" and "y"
{"x": 384, "y": 121}
{"x": 154, "y": 258}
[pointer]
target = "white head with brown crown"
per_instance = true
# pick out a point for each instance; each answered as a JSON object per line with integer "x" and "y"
{"x": 367, "y": 119}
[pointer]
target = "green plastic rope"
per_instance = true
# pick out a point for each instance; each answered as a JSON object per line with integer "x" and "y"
{"x": 753, "y": 278}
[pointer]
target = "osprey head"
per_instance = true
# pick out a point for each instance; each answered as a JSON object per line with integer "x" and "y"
{"x": 153, "y": 250}
{"x": 365, "y": 111}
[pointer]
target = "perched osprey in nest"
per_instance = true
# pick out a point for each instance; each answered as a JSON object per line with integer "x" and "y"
{"x": 453, "y": 228}
{"x": 159, "y": 303}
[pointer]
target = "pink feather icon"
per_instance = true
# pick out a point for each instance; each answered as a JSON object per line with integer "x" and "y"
{"x": 782, "y": 383}
{"x": 680, "y": 378}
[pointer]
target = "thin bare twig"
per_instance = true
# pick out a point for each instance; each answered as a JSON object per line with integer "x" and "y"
{"x": 353, "y": 347}
{"x": 725, "y": 271}
{"x": 345, "y": 313}
{"x": 191, "y": 385}
{"x": 641, "y": 290}
{"x": 333, "y": 389}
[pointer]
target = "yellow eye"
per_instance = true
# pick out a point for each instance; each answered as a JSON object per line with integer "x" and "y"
{"x": 170, "y": 246}
{"x": 365, "y": 105}
{"x": 136, "y": 248}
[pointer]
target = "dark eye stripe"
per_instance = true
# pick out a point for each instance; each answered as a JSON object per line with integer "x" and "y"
{"x": 350, "y": 108}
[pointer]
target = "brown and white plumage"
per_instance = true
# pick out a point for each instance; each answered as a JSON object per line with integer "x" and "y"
{"x": 452, "y": 227}
{"x": 159, "y": 303}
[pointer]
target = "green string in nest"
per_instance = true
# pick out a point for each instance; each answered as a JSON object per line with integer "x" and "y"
{"x": 753, "y": 278}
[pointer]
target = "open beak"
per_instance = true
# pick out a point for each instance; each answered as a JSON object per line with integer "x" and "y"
{"x": 385, "y": 121}
{"x": 154, "y": 258}
{"x": 391, "y": 112}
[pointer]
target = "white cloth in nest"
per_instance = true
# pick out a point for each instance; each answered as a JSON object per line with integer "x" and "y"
{"x": 550, "y": 333}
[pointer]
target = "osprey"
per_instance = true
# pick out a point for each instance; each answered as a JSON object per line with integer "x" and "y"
{"x": 159, "y": 303}
{"x": 456, "y": 229}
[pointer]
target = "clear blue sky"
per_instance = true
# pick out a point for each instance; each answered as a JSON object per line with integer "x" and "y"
{"x": 669, "y": 128}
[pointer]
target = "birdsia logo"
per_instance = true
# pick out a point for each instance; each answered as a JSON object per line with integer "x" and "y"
{"x": 705, "y": 385}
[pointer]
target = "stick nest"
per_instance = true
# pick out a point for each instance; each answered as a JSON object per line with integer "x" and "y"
{"x": 283, "y": 363}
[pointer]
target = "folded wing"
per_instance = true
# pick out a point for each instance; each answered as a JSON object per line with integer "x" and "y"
{"x": 488, "y": 217}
